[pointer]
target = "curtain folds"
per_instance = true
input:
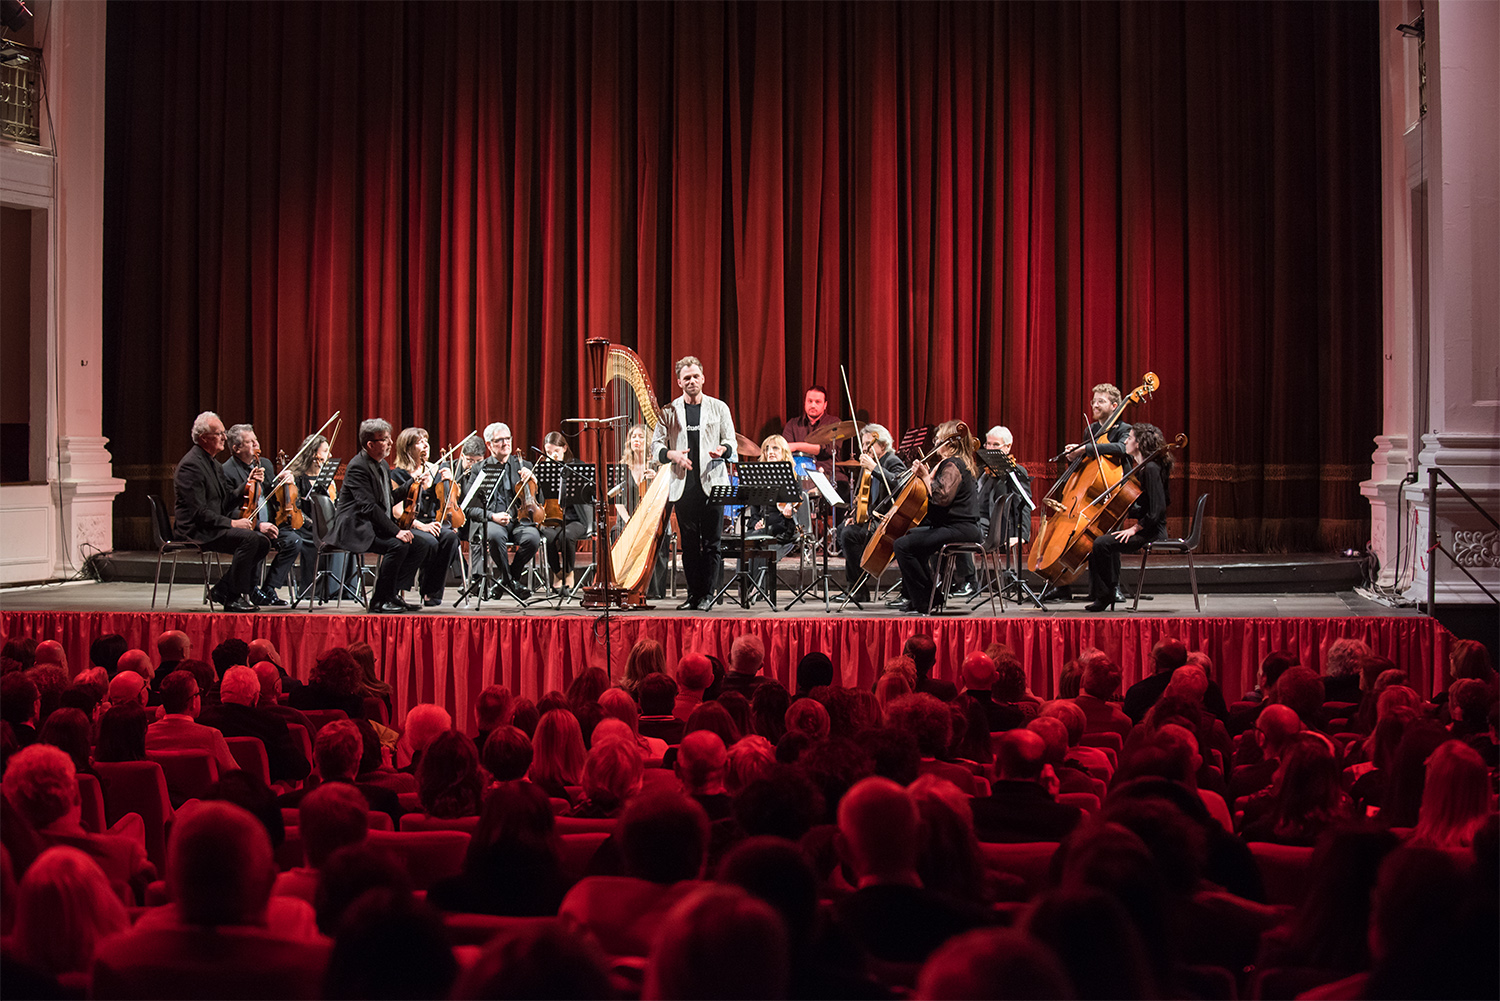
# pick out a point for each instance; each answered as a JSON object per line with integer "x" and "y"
{"x": 419, "y": 210}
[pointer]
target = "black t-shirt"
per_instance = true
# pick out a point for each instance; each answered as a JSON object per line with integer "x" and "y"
{"x": 693, "y": 417}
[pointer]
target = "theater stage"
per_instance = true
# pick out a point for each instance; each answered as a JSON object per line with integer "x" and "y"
{"x": 447, "y": 656}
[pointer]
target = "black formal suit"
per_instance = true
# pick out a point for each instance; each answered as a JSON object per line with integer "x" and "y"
{"x": 362, "y": 523}
{"x": 235, "y": 720}
{"x": 205, "y": 501}
{"x": 1016, "y": 811}
{"x": 289, "y": 542}
{"x": 525, "y": 536}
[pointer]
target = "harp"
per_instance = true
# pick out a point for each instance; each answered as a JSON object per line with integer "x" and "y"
{"x": 633, "y": 554}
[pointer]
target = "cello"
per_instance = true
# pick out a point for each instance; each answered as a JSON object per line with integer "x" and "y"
{"x": 1069, "y": 506}
{"x": 907, "y": 510}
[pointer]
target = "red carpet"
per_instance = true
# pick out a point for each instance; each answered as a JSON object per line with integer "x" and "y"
{"x": 448, "y": 658}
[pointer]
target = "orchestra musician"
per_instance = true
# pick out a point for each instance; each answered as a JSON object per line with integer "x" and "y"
{"x": 578, "y": 518}
{"x": 245, "y": 463}
{"x": 952, "y": 515}
{"x": 364, "y": 517}
{"x": 698, "y": 441}
{"x": 1106, "y": 398}
{"x": 204, "y": 512}
{"x": 640, "y": 468}
{"x": 437, "y": 542}
{"x": 773, "y": 521}
{"x": 496, "y": 516}
{"x": 1000, "y": 508}
{"x": 814, "y": 415}
{"x": 318, "y": 504}
{"x": 1149, "y": 512}
{"x": 885, "y": 469}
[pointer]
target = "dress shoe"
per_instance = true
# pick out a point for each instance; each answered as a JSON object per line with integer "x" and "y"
{"x": 707, "y": 604}
{"x": 410, "y": 606}
{"x": 687, "y": 606}
{"x": 388, "y": 607}
{"x": 900, "y": 603}
{"x": 432, "y": 601}
{"x": 240, "y": 604}
{"x": 219, "y": 594}
{"x": 1063, "y": 593}
{"x": 965, "y": 590}
{"x": 1101, "y": 605}
{"x": 268, "y": 596}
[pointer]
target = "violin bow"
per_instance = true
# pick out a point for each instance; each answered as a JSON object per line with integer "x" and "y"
{"x": 285, "y": 475}
{"x": 859, "y": 432}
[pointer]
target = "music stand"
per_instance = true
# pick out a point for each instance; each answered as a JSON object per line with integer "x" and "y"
{"x": 575, "y": 480}
{"x": 319, "y": 483}
{"x": 1003, "y": 467}
{"x": 825, "y": 495}
{"x": 913, "y": 439}
{"x": 485, "y": 485}
{"x": 760, "y": 483}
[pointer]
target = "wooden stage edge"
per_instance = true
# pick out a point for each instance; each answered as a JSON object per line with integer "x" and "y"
{"x": 448, "y": 658}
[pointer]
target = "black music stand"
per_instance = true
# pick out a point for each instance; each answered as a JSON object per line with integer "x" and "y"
{"x": 913, "y": 439}
{"x": 1001, "y": 465}
{"x": 575, "y": 486}
{"x": 760, "y": 483}
{"x": 826, "y": 498}
{"x": 485, "y": 485}
{"x": 344, "y": 588}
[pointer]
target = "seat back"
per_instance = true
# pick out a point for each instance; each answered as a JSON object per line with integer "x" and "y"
{"x": 250, "y": 752}
{"x": 304, "y": 742}
{"x": 1195, "y": 532}
{"x": 479, "y": 929}
{"x": 1028, "y": 861}
{"x": 375, "y": 710}
{"x": 1108, "y": 739}
{"x": 1284, "y": 869}
{"x": 576, "y": 851}
{"x": 422, "y": 822}
{"x": 584, "y": 825}
{"x": 225, "y": 962}
{"x": 91, "y": 802}
{"x": 320, "y": 718}
{"x": 1085, "y": 801}
{"x": 427, "y": 856}
{"x": 189, "y": 774}
{"x": 138, "y": 787}
{"x": 161, "y": 526}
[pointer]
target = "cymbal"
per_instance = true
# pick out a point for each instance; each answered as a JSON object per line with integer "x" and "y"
{"x": 830, "y": 433}
{"x": 848, "y": 464}
{"x": 745, "y": 448}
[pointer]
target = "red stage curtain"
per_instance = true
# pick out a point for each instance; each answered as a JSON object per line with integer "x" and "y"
{"x": 419, "y": 210}
{"x": 448, "y": 659}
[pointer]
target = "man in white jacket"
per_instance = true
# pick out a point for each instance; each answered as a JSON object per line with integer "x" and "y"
{"x": 697, "y": 439}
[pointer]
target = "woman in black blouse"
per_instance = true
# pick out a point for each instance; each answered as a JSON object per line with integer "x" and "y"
{"x": 952, "y": 515}
{"x": 1149, "y": 511}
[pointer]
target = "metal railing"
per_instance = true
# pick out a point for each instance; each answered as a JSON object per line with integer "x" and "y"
{"x": 1434, "y": 546}
{"x": 20, "y": 93}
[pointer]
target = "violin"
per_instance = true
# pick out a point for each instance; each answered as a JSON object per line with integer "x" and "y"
{"x": 447, "y": 493}
{"x": 251, "y": 508}
{"x": 288, "y": 500}
{"x": 408, "y": 500}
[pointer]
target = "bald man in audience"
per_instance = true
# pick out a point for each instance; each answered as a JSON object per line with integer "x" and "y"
{"x": 978, "y": 674}
{"x": 1274, "y": 729}
{"x": 222, "y": 936}
{"x": 50, "y": 652}
{"x": 172, "y": 648}
{"x": 236, "y": 715}
{"x": 890, "y": 913}
{"x": 179, "y": 729}
{"x": 139, "y": 662}
{"x": 125, "y": 687}
{"x": 1021, "y": 805}
{"x": 702, "y": 762}
{"x": 1100, "y": 683}
{"x": 1071, "y": 777}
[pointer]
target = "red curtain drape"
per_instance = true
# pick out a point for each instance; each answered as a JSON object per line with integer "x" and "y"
{"x": 419, "y": 210}
{"x": 449, "y": 659}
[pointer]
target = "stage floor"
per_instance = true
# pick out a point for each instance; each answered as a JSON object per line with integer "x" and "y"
{"x": 91, "y": 596}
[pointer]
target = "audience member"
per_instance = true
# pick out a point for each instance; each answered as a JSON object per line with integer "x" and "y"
{"x": 512, "y": 866}
{"x": 971, "y": 744}
{"x": 424, "y": 723}
{"x": 996, "y": 963}
{"x": 139, "y": 662}
{"x": 20, "y": 704}
{"x": 1010, "y": 686}
{"x": 336, "y": 682}
{"x": 768, "y": 708}
{"x": 749, "y": 759}
{"x": 702, "y": 762}
{"x": 51, "y": 680}
{"x": 507, "y": 754}
{"x": 557, "y": 753}
{"x": 1408, "y": 779}
{"x": 590, "y": 683}
{"x": 390, "y": 945}
{"x": 949, "y": 859}
{"x": 694, "y": 675}
{"x": 808, "y": 716}
{"x": 370, "y": 683}
{"x": 891, "y": 686}
{"x": 535, "y": 961}
{"x": 270, "y": 703}
{"x": 612, "y": 775}
{"x": 336, "y": 755}
{"x": 1071, "y": 776}
{"x": 179, "y": 729}
{"x": 784, "y": 803}
{"x": 330, "y": 817}
{"x": 127, "y": 687}
{"x": 1341, "y": 669}
{"x": 1304, "y": 798}
{"x": 492, "y": 709}
{"x": 646, "y": 658}
{"x": 65, "y": 907}
{"x": 1167, "y": 656}
{"x": 747, "y": 655}
{"x": 737, "y": 705}
{"x": 930, "y": 722}
{"x": 122, "y": 733}
{"x": 1021, "y": 806}
{"x": 922, "y": 650}
{"x": 616, "y": 703}
{"x": 1455, "y": 798}
{"x": 1274, "y": 729}
{"x": 525, "y": 716}
{"x": 219, "y": 876}
{"x": 719, "y": 942}
{"x": 351, "y": 872}
{"x": 657, "y": 693}
{"x": 448, "y": 780}
{"x": 1099, "y": 682}
{"x": 236, "y": 715}
{"x": 1092, "y": 936}
{"x": 813, "y": 670}
{"x": 51, "y": 652}
{"x": 105, "y": 652}
{"x": 978, "y": 676}
{"x": 173, "y": 646}
{"x": 890, "y": 913}
{"x": 69, "y": 730}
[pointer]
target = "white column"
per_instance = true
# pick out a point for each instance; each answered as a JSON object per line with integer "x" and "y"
{"x": 87, "y": 487}
{"x": 1462, "y": 436}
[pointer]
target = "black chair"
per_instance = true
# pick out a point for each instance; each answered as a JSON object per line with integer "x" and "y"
{"x": 989, "y": 575}
{"x": 1183, "y": 546}
{"x": 161, "y": 534}
{"x": 320, "y": 529}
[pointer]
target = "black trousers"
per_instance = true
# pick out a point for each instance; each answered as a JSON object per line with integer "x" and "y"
{"x": 1104, "y": 562}
{"x": 915, "y": 552}
{"x": 400, "y": 558}
{"x": 290, "y": 544}
{"x": 852, "y": 541}
{"x": 249, "y": 548}
{"x": 524, "y": 537}
{"x": 701, "y": 525}
{"x": 562, "y": 545}
{"x": 436, "y": 555}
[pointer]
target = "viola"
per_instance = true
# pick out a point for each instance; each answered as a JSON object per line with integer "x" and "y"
{"x": 253, "y": 496}
{"x": 288, "y": 500}
{"x": 448, "y": 509}
{"x": 408, "y": 495}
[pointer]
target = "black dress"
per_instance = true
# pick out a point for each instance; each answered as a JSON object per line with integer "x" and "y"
{"x": 952, "y": 516}
{"x": 1150, "y": 510}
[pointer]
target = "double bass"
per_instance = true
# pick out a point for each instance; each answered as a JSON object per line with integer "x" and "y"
{"x": 1071, "y": 514}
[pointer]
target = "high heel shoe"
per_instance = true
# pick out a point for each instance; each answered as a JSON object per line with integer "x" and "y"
{"x": 1101, "y": 605}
